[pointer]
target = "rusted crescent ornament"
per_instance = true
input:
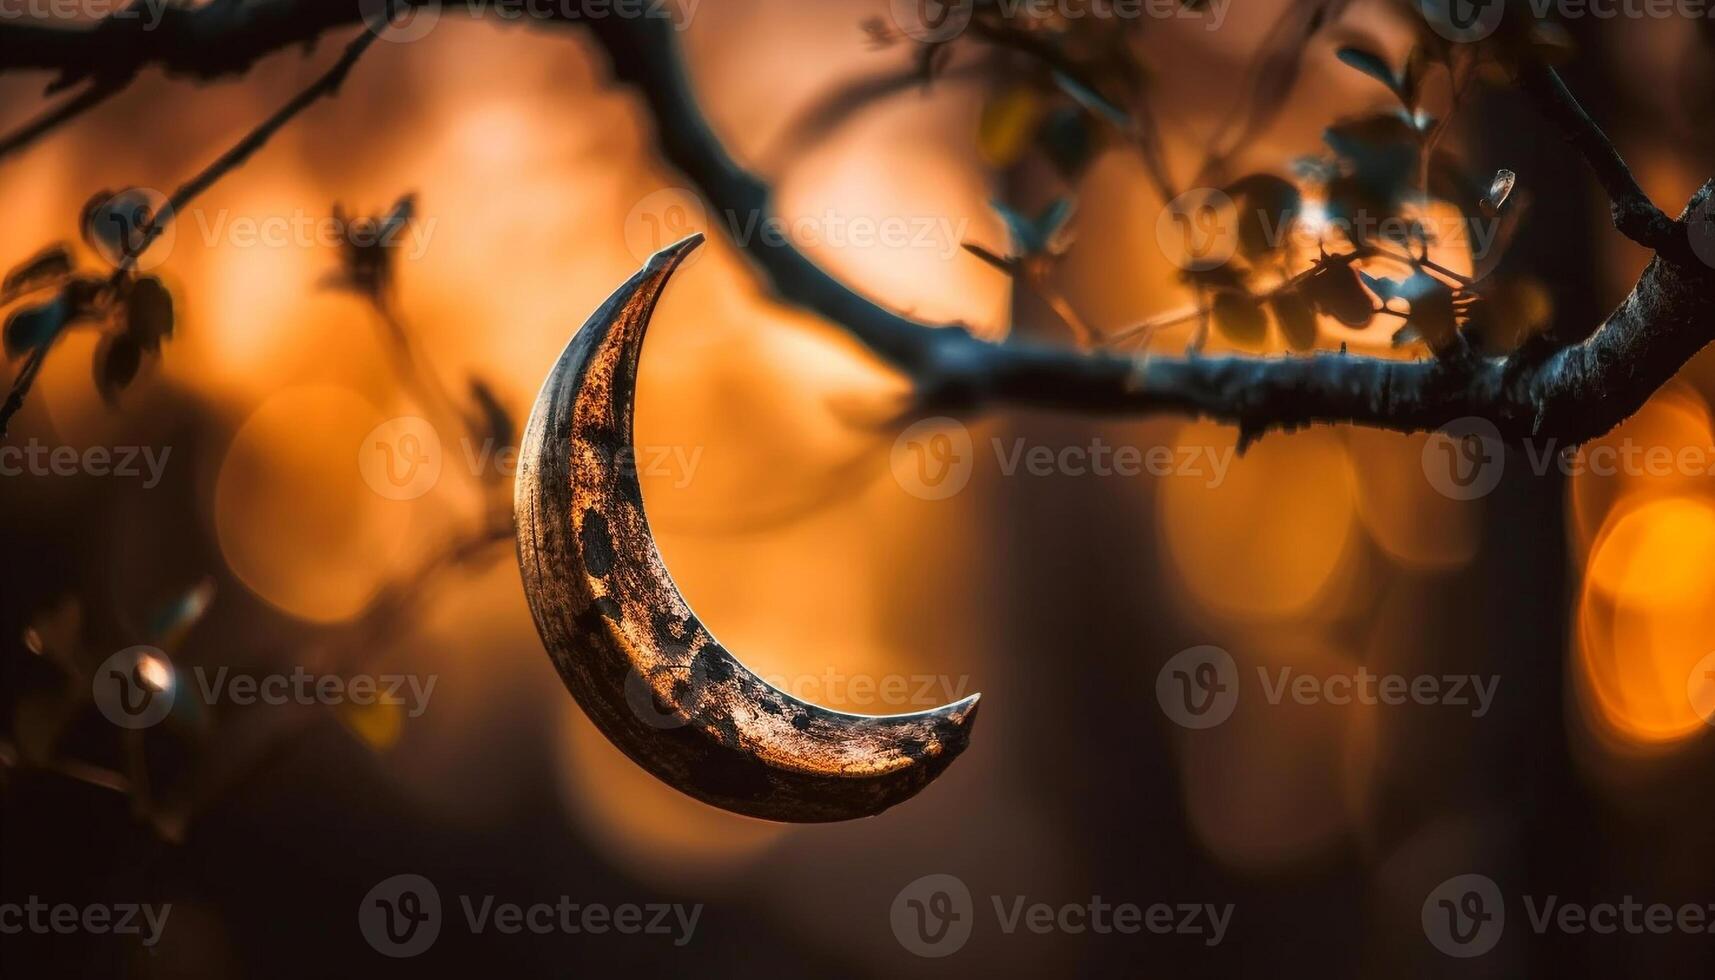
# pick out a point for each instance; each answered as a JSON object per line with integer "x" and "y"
{"x": 639, "y": 662}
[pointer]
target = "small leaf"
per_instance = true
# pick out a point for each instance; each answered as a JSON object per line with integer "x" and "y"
{"x": 31, "y": 327}
{"x": 1336, "y": 290}
{"x": 1297, "y": 320}
{"x": 1240, "y": 318}
{"x": 42, "y": 269}
{"x": 1008, "y": 124}
{"x": 1373, "y": 65}
{"x": 149, "y": 313}
{"x": 1266, "y": 205}
{"x": 1381, "y": 153}
{"x": 1067, "y": 139}
{"x": 398, "y": 217}
{"x": 1380, "y": 285}
{"x": 1431, "y": 310}
{"x": 1411, "y": 80}
{"x": 117, "y": 359}
{"x": 114, "y": 223}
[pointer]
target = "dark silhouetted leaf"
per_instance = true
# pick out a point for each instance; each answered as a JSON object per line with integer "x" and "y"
{"x": 1431, "y": 310}
{"x": 149, "y": 313}
{"x": 1373, "y": 65}
{"x": 1335, "y": 289}
{"x": 1266, "y": 205}
{"x": 1067, "y": 140}
{"x": 114, "y": 223}
{"x": 42, "y": 269}
{"x": 117, "y": 359}
{"x": 31, "y": 327}
{"x": 1380, "y": 152}
{"x": 1240, "y": 318}
{"x": 1297, "y": 320}
{"x": 1381, "y": 286}
{"x": 1417, "y": 66}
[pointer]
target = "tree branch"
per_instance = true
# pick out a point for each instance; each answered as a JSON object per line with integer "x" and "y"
{"x": 1573, "y": 394}
{"x": 1635, "y": 215}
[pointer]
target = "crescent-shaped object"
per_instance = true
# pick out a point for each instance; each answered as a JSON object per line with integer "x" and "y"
{"x": 628, "y": 647}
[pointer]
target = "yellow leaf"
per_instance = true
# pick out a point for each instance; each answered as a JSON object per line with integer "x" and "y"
{"x": 1008, "y": 124}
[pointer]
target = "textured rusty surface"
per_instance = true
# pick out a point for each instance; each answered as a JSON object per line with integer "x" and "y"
{"x": 628, "y": 647}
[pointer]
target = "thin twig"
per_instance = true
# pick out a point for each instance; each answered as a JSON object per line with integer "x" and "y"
{"x": 92, "y": 96}
{"x": 21, "y": 387}
{"x": 254, "y": 140}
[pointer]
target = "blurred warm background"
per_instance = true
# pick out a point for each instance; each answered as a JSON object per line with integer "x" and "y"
{"x": 1059, "y": 598}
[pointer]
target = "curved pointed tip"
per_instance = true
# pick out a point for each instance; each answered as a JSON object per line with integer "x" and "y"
{"x": 964, "y": 710}
{"x": 669, "y": 257}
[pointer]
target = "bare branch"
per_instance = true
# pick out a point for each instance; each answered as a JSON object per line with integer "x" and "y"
{"x": 1635, "y": 215}
{"x": 92, "y": 96}
{"x": 327, "y": 84}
